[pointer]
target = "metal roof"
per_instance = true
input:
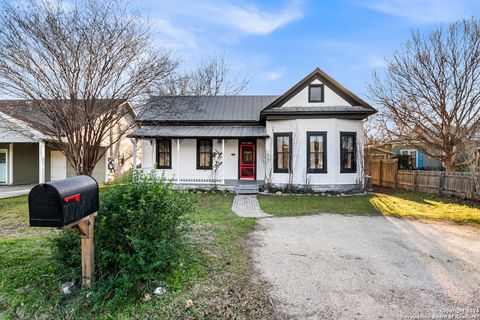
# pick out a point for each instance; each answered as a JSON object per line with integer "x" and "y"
{"x": 326, "y": 109}
{"x": 200, "y": 132}
{"x": 205, "y": 108}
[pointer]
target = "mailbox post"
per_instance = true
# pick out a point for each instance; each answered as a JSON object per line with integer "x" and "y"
{"x": 68, "y": 203}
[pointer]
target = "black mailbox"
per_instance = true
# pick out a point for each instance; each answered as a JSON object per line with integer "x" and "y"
{"x": 60, "y": 203}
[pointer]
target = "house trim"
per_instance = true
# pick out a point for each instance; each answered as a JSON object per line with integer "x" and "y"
{"x": 318, "y": 74}
{"x": 322, "y": 96}
{"x": 324, "y": 152}
{"x": 275, "y": 159}
{"x": 354, "y": 166}
{"x": 169, "y": 153}
{"x": 256, "y": 158}
{"x": 7, "y": 167}
{"x": 199, "y": 167}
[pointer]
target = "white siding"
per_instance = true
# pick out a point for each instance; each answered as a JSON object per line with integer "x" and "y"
{"x": 331, "y": 98}
{"x": 231, "y": 159}
{"x": 299, "y": 128}
{"x": 188, "y": 158}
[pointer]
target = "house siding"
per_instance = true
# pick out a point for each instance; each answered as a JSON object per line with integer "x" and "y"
{"x": 423, "y": 161}
{"x": 25, "y": 163}
{"x": 299, "y": 129}
{"x": 331, "y": 98}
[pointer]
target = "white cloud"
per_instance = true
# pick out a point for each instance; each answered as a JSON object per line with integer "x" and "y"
{"x": 250, "y": 19}
{"x": 174, "y": 36}
{"x": 273, "y": 75}
{"x": 421, "y": 11}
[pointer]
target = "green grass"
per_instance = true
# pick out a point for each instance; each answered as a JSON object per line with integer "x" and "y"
{"x": 215, "y": 273}
{"x": 14, "y": 219}
{"x": 299, "y": 205}
{"x": 403, "y": 204}
{"x": 413, "y": 205}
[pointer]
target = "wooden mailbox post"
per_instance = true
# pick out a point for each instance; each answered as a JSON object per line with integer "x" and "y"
{"x": 85, "y": 228}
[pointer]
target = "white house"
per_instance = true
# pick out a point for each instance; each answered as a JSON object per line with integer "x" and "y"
{"x": 309, "y": 137}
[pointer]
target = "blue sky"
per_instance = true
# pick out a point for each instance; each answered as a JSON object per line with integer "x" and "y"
{"x": 279, "y": 42}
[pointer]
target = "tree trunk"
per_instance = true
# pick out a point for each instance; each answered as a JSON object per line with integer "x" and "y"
{"x": 449, "y": 164}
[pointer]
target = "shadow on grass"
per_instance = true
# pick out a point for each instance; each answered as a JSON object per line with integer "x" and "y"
{"x": 402, "y": 204}
{"x": 416, "y": 205}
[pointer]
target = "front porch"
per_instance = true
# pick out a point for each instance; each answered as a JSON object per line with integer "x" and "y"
{"x": 203, "y": 161}
{"x": 31, "y": 163}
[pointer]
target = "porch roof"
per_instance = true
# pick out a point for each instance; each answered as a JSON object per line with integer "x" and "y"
{"x": 200, "y": 132}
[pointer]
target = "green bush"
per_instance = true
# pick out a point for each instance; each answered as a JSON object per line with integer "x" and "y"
{"x": 139, "y": 235}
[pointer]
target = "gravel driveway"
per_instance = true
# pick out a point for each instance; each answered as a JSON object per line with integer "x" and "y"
{"x": 356, "y": 267}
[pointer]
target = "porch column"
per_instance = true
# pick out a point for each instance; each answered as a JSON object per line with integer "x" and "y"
{"x": 223, "y": 161}
{"x": 41, "y": 162}
{"x": 10, "y": 164}
{"x": 134, "y": 154}
{"x": 178, "y": 160}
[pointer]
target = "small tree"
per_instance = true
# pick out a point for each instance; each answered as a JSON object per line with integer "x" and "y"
{"x": 430, "y": 93}
{"x": 77, "y": 64}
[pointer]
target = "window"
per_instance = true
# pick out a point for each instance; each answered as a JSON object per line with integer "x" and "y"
{"x": 164, "y": 153}
{"x": 412, "y": 157}
{"x": 348, "y": 163}
{"x": 316, "y": 152}
{"x": 315, "y": 93}
{"x": 204, "y": 154}
{"x": 283, "y": 152}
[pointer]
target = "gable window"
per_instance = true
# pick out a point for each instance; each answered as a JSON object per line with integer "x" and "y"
{"x": 204, "y": 154}
{"x": 316, "y": 152}
{"x": 283, "y": 152}
{"x": 164, "y": 153}
{"x": 315, "y": 93}
{"x": 348, "y": 163}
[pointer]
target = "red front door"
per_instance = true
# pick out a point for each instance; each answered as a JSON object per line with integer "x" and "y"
{"x": 247, "y": 161}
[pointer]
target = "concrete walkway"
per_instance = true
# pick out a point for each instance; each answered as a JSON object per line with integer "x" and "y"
{"x": 14, "y": 191}
{"x": 247, "y": 206}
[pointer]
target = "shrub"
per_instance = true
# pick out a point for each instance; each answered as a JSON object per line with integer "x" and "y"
{"x": 138, "y": 236}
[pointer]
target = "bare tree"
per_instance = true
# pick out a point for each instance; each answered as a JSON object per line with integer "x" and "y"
{"x": 211, "y": 77}
{"x": 430, "y": 93}
{"x": 77, "y": 64}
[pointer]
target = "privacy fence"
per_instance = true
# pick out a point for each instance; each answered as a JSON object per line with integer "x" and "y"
{"x": 385, "y": 173}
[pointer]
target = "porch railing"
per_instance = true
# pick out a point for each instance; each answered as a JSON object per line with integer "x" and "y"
{"x": 191, "y": 176}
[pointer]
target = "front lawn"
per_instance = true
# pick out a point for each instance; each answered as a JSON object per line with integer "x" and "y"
{"x": 216, "y": 273}
{"x": 403, "y": 204}
{"x": 299, "y": 205}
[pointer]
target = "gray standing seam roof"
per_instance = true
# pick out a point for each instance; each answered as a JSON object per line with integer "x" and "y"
{"x": 200, "y": 132}
{"x": 205, "y": 108}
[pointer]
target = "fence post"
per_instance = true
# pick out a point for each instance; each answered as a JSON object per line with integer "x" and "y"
{"x": 380, "y": 176}
{"x": 442, "y": 178}
{"x": 414, "y": 180}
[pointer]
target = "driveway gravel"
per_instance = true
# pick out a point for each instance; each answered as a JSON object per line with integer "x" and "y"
{"x": 332, "y": 266}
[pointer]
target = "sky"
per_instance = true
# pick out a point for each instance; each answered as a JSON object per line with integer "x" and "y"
{"x": 277, "y": 43}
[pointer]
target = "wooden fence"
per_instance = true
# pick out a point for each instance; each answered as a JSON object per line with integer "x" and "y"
{"x": 384, "y": 173}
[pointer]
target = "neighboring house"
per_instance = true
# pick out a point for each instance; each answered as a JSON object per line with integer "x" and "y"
{"x": 309, "y": 137}
{"x": 418, "y": 160}
{"x": 27, "y": 155}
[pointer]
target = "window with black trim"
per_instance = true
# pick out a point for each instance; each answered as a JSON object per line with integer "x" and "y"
{"x": 283, "y": 152}
{"x": 204, "y": 154}
{"x": 164, "y": 153}
{"x": 317, "y": 152}
{"x": 315, "y": 93}
{"x": 348, "y": 163}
